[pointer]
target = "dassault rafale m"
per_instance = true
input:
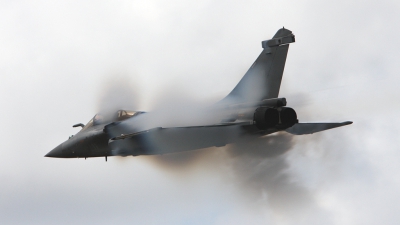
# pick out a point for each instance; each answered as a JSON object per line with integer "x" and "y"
{"x": 252, "y": 108}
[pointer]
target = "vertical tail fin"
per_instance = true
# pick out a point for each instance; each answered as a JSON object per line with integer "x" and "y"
{"x": 263, "y": 79}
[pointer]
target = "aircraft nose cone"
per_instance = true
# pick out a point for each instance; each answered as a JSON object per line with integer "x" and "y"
{"x": 56, "y": 152}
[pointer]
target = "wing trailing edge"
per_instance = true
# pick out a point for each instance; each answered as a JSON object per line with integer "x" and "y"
{"x": 310, "y": 128}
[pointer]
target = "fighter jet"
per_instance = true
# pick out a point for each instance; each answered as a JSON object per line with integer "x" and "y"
{"x": 252, "y": 108}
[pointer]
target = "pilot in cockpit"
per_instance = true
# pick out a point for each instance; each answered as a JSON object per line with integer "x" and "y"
{"x": 125, "y": 114}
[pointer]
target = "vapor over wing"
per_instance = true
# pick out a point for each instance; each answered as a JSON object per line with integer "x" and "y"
{"x": 124, "y": 136}
{"x": 176, "y": 139}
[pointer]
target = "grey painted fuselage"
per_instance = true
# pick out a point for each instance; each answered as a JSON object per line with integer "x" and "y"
{"x": 251, "y": 108}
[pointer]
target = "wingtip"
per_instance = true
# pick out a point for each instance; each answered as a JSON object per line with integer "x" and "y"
{"x": 348, "y": 122}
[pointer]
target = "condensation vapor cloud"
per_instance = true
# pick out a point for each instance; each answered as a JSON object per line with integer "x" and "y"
{"x": 117, "y": 92}
{"x": 55, "y": 57}
{"x": 259, "y": 169}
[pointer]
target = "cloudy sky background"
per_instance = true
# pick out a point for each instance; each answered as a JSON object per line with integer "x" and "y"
{"x": 62, "y": 61}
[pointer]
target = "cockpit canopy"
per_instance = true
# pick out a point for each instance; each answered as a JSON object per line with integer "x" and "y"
{"x": 125, "y": 114}
{"x": 118, "y": 116}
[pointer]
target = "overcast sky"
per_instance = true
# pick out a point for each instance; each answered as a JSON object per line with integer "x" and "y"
{"x": 62, "y": 61}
